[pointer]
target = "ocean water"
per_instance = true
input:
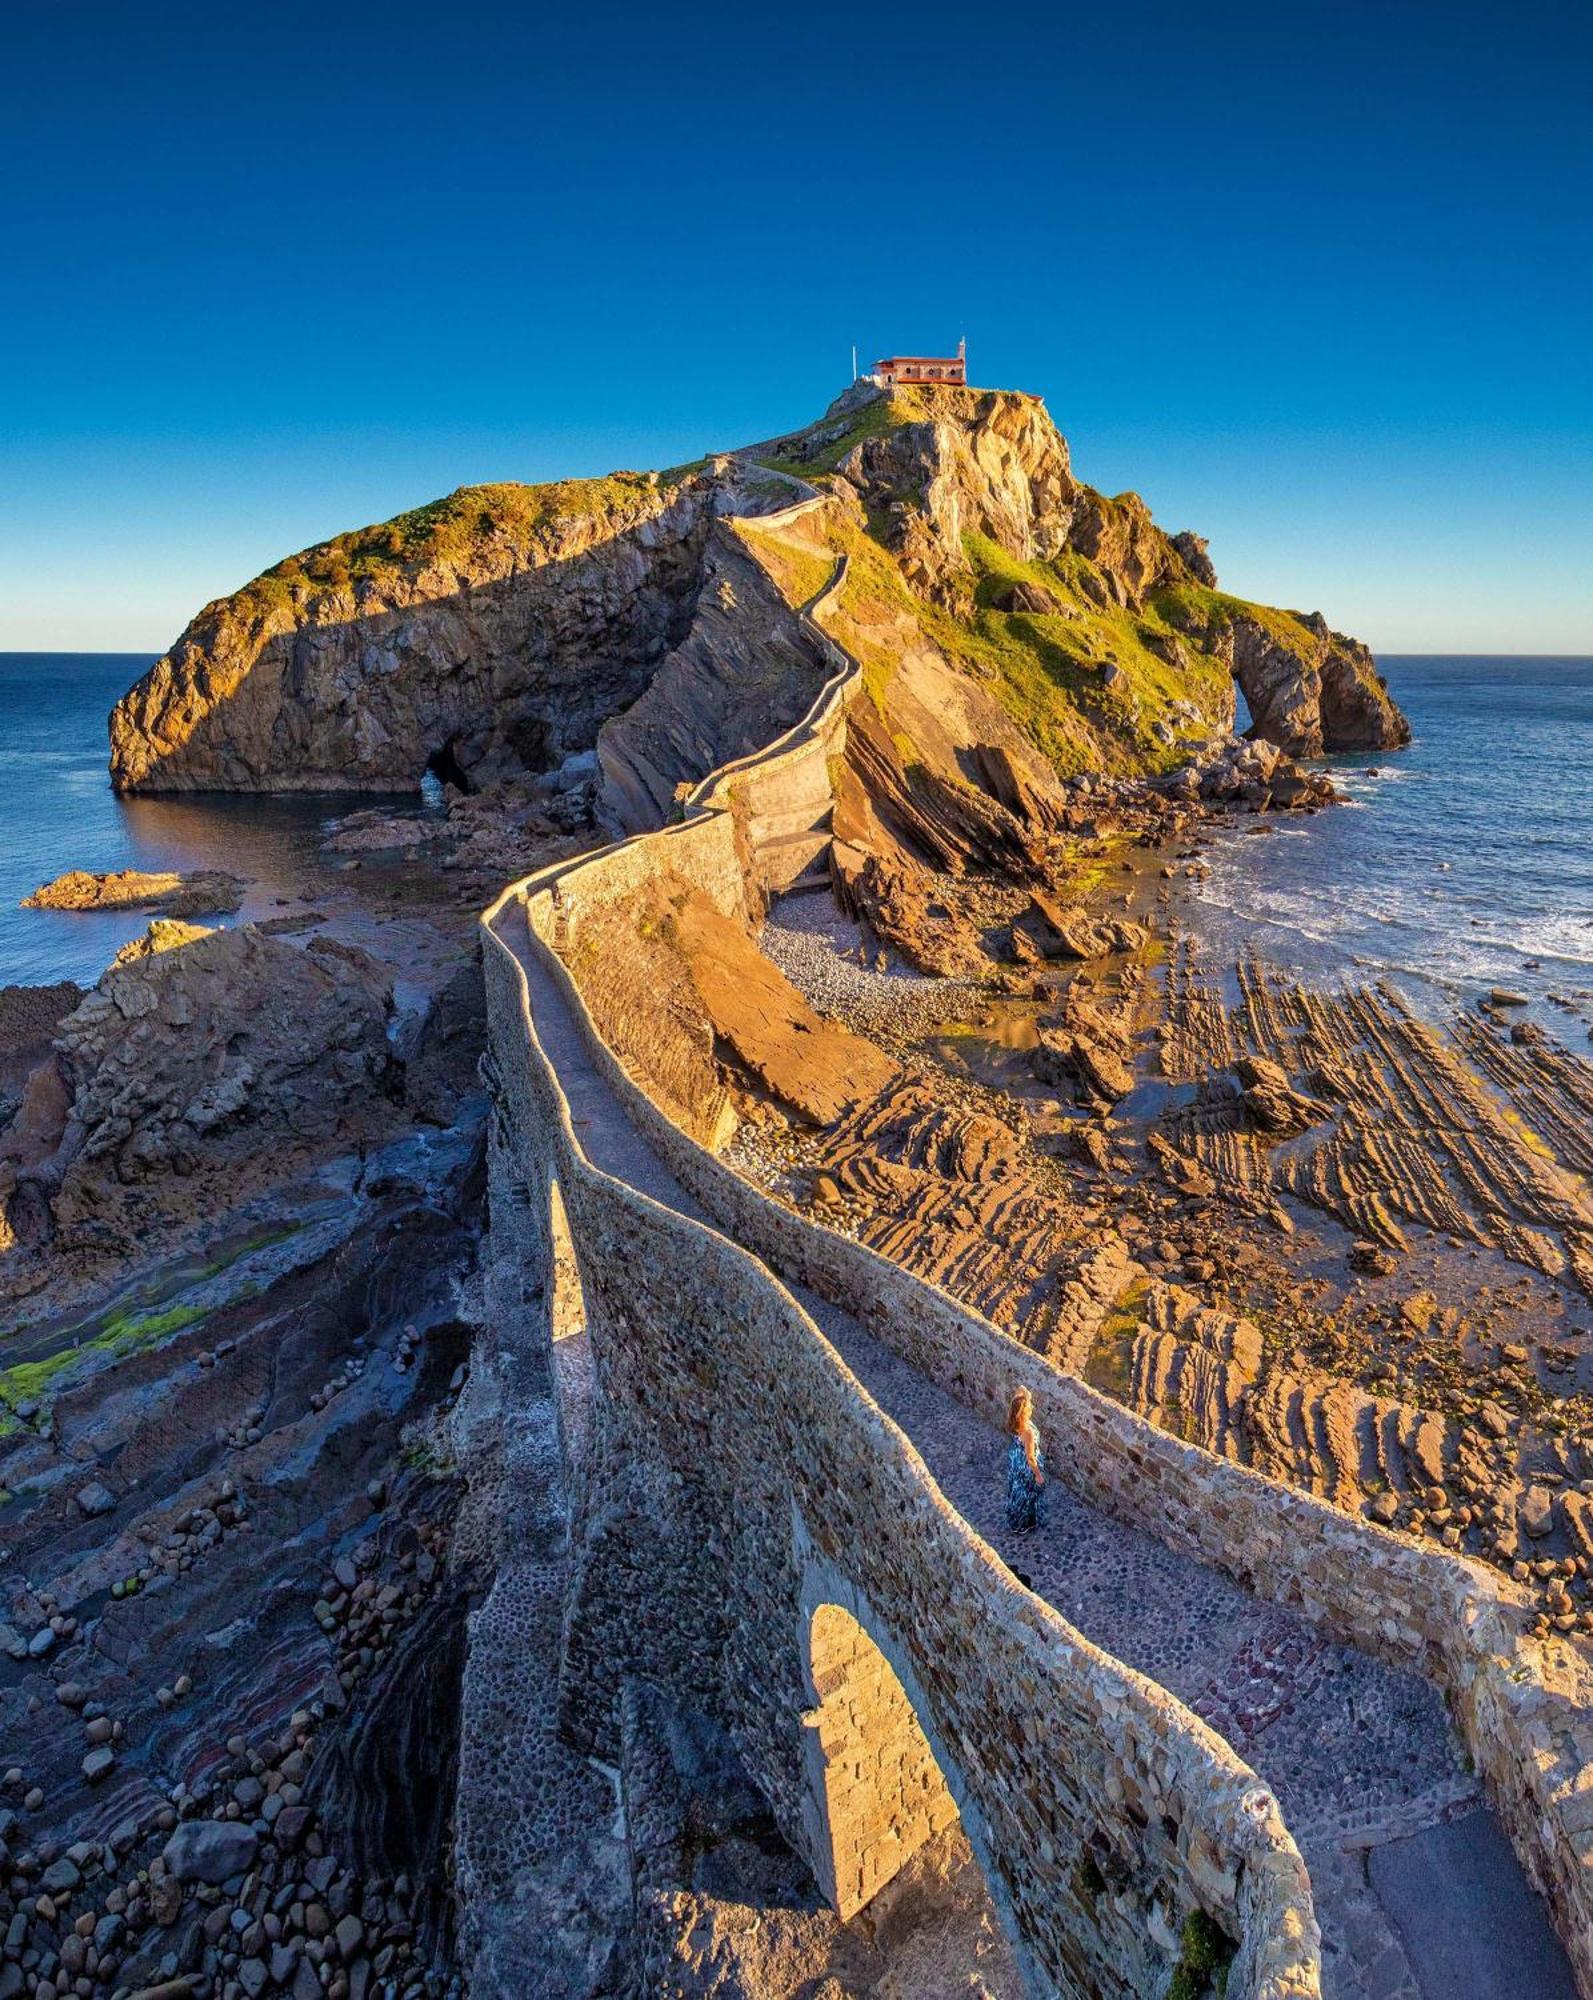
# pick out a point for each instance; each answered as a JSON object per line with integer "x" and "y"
{"x": 57, "y": 811}
{"x": 1461, "y": 863}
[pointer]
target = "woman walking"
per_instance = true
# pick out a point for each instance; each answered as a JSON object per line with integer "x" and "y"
{"x": 1025, "y": 1466}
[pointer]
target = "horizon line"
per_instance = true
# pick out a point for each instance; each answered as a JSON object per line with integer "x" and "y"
{"x": 1378, "y": 652}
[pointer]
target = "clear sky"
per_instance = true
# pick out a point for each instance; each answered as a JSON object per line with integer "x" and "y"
{"x": 1315, "y": 280}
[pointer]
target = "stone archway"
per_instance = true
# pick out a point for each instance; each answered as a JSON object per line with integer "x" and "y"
{"x": 569, "y": 1351}
{"x": 875, "y": 1793}
{"x": 566, "y": 1294}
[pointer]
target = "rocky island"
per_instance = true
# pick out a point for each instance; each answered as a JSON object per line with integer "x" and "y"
{"x": 502, "y": 1491}
{"x": 198, "y": 894}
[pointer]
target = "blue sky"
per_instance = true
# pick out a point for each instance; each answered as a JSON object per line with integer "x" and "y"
{"x": 1316, "y": 281}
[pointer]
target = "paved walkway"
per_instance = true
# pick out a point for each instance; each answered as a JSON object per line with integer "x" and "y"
{"x": 1418, "y": 1893}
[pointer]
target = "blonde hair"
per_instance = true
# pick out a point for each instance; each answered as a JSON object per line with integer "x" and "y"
{"x": 1020, "y": 1421}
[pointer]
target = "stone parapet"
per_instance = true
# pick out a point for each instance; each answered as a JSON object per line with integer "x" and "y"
{"x": 1101, "y": 1809}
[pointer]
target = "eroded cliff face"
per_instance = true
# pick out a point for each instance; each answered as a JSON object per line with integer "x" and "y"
{"x": 744, "y": 671}
{"x": 485, "y": 636}
{"x": 973, "y": 464}
{"x": 1311, "y": 689}
{"x": 973, "y": 492}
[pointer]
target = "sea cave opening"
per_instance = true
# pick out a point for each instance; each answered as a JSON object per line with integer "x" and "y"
{"x": 444, "y": 768}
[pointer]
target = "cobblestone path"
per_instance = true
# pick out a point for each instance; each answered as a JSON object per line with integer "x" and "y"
{"x": 1360, "y": 1755}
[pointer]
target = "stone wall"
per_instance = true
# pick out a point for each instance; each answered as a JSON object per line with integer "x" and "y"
{"x": 1100, "y": 1810}
{"x": 743, "y": 1491}
{"x": 1525, "y": 1711}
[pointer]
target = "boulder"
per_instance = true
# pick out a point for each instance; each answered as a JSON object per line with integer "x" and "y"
{"x": 187, "y": 1059}
{"x": 235, "y": 1030}
{"x": 1251, "y": 772}
{"x": 1093, "y": 1068}
{"x": 1270, "y": 1103}
{"x": 210, "y": 1850}
{"x": 816, "y": 1066}
{"x": 904, "y": 903}
{"x": 1419, "y": 1311}
{"x": 1034, "y": 599}
{"x": 163, "y": 934}
{"x": 1082, "y": 1045}
{"x": 1067, "y": 931}
{"x": 1536, "y": 1512}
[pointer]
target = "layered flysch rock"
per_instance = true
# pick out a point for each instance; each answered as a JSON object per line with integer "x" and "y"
{"x": 745, "y": 670}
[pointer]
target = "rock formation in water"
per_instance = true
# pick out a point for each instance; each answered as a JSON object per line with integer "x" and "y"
{"x": 493, "y": 634}
{"x": 206, "y": 892}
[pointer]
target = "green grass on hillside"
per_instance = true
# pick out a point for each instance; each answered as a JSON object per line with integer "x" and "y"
{"x": 876, "y": 419}
{"x": 798, "y": 573}
{"x": 1049, "y": 668}
{"x": 873, "y": 595}
{"x": 1192, "y": 606}
{"x": 445, "y": 533}
{"x": 1046, "y": 669}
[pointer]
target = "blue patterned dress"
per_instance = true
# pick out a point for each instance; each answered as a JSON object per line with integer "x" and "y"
{"x": 1025, "y": 1494}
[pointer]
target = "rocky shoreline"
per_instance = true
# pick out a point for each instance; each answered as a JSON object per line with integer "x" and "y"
{"x": 234, "y": 1338}
{"x": 1121, "y": 1159}
{"x": 197, "y": 893}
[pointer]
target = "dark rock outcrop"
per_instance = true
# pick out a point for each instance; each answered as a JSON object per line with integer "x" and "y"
{"x": 482, "y": 637}
{"x": 744, "y": 671}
